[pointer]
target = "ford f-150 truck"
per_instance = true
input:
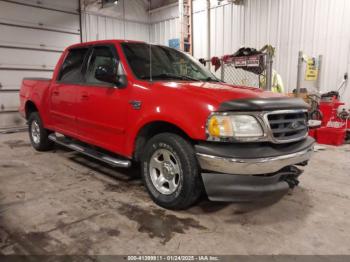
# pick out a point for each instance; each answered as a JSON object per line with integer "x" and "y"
{"x": 127, "y": 102}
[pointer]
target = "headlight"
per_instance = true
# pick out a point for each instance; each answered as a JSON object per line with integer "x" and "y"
{"x": 234, "y": 126}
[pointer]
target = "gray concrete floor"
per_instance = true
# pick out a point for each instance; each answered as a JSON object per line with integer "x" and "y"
{"x": 62, "y": 203}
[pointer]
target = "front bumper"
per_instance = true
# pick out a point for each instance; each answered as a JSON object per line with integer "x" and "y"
{"x": 252, "y": 159}
{"x": 252, "y": 166}
{"x": 261, "y": 171}
{"x": 237, "y": 188}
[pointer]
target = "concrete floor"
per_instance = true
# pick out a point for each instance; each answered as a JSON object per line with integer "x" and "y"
{"x": 62, "y": 203}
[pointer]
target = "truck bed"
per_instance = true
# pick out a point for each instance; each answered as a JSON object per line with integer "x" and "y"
{"x": 33, "y": 89}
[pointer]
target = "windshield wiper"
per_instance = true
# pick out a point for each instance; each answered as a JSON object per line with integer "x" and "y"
{"x": 172, "y": 76}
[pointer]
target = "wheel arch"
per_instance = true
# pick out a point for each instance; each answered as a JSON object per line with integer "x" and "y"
{"x": 29, "y": 108}
{"x": 151, "y": 129}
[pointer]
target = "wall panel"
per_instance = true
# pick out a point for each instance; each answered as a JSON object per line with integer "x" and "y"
{"x": 64, "y": 5}
{"x": 10, "y": 79}
{"x": 38, "y": 17}
{"x": 100, "y": 27}
{"x": 314, "y": 26}
{"x": 32, "y": 36}
{"x": 28, "y": 59}
{"x": 165, "y": 25}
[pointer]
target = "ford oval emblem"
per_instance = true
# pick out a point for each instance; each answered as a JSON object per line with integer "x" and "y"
{"x": 294, "y": 125}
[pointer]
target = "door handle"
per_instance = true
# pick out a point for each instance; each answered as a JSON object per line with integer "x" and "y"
{"x": 56, "y": 93}
{"x": 84, "y": 96}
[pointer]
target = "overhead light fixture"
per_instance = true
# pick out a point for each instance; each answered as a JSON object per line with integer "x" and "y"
{"x": 109, "y": 3}
{"x": 237, "y": 2}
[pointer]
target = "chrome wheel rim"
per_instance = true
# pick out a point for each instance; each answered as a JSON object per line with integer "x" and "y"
{"x": 35, "y": 131}
{"x": 165, "y": 171}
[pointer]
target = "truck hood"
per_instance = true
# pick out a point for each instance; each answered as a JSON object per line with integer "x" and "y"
{"x": 231, "y": 98}
{"x": 220, "y": 92}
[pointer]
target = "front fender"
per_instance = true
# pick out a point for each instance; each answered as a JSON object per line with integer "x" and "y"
{"x": 192, "y": 124}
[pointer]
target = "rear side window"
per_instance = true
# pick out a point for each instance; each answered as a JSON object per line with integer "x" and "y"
{"x": 71, "y": 70}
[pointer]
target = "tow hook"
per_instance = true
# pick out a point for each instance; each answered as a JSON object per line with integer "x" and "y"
{"x": 292, "y": 181}
{"x": 303, "y": 163}
{"x": 291, "y": 176}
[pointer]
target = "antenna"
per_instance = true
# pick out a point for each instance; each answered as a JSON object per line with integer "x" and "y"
{"x": 116, "y": 2}
{"x": 150, "y": 46}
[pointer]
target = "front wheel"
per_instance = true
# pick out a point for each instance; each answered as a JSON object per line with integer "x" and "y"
{"x": 39, "y": 136}
{"x": 170, "y": 171}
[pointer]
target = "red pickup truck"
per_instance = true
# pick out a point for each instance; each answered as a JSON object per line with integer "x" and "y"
{"x": 127, "y": 102}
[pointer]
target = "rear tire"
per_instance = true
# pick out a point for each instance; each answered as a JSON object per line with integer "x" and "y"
{"x": 38, "y": 135}
{"x": 170, "y": 171}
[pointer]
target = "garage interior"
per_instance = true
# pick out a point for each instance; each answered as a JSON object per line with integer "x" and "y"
{"x": 63, "y": 203}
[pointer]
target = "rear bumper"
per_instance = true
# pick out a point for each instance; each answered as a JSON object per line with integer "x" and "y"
{"x": 262, "y": 171}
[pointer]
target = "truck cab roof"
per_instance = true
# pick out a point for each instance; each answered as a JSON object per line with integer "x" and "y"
{"x": 110, "y": 41}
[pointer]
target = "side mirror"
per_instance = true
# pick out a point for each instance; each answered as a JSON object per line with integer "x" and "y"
{"x": 122, "y": 81}
{"x": 106, "y": 73}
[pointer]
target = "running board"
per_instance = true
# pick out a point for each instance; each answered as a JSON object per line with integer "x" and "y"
{"x": 115, "y": 162}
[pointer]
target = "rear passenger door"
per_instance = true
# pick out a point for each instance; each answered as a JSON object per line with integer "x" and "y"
{"x": 64, "y": 91}
{"x": 102, "y": 106}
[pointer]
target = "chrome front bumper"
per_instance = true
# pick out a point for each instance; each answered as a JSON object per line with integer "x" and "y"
{"x": 252, "y": 166}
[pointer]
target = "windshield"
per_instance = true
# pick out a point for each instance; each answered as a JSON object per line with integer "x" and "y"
{"x": 167, "y": 63}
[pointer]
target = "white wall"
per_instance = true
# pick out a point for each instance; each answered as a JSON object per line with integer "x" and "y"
{"x": 127, "y": 20}
{"x": 100, "y": 27}
{"x": 32, "y": 37}
{"x": 165, "y": 24}
{"x": 314, "y": 26}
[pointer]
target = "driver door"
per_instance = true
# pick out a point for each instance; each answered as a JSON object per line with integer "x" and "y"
{"x": 102, "y": 109}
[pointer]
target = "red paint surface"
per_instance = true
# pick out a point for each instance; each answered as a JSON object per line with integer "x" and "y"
{"x": 331, "y": 136}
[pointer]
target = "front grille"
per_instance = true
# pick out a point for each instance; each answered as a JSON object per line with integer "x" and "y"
{"x": 288, "y": 125}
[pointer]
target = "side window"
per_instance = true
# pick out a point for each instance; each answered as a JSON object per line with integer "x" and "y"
{"x": 71, "y": 70}
{"x": 101, "y": 55}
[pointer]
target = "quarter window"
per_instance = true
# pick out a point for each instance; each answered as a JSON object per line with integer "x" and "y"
{"x": 71, "y": 70}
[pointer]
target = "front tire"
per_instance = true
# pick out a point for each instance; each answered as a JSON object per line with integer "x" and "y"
{"x": 38, "y": 135}
{"x": 170, "y": 171}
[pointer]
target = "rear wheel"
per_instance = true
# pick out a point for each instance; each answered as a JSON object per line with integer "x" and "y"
{"x": 38, "y": 135}
{"x": 170, "y": 171}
